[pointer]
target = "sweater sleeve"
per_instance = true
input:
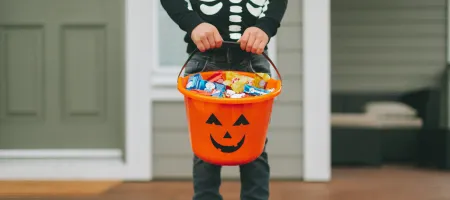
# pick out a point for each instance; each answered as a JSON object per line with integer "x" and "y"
{"x": 270, "y": 19}
{"x": 180, "y": 11}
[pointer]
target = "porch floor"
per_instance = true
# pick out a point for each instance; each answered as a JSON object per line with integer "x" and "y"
{"x": 396, "y": 183}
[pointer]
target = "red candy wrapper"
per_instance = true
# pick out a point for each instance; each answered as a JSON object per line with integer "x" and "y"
{"x": 216, "y": 77}
{"x": 202, "y": 92}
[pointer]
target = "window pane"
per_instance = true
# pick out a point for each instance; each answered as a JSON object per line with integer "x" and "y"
{"x": 172, "y": 48}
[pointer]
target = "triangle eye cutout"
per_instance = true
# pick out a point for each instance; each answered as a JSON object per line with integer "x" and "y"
{"x": 213, "y": 120}
{"x": 241, "y": 121}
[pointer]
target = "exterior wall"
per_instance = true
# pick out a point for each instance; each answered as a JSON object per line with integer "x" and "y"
{"x": 387, "y": 45}
{"x": 172, "y": 153}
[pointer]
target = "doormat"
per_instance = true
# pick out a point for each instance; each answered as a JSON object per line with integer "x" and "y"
{"x": 55, "y": 188}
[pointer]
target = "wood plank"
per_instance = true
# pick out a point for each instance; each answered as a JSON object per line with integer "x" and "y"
{"x": 54, "y": 188}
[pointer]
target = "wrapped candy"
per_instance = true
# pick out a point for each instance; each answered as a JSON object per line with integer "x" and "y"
{"x": 260, "y": 80}
{"x": 238, "y": 86}
{"x": 216, "y": 77}
{"x": 236, "y": 81}
{"x": 204, "y": 87}
{"x": 193, "y": 81}
{"x": 229, "y": 85}
{"x": 233, "y": 95}
{"x": 254, "y": 91}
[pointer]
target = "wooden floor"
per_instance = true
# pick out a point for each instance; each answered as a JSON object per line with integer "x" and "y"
{"x": 388, "y": 183}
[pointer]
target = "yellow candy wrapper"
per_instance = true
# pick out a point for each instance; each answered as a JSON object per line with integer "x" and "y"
{"x": 237, "y": 81}
{"x": 261, "y": 80}
{"x": 238, "y": 86}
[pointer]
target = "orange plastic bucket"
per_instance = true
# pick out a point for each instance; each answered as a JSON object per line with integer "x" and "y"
{"x": 226, "y": 131}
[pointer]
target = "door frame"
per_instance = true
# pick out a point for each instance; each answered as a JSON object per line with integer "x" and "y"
{"x": 316, "y": 90}
{"x": 139, "y": 53}
{"x": 135, "y": 161}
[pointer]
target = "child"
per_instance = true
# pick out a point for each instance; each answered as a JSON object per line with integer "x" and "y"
{"x": 207, "y": 24}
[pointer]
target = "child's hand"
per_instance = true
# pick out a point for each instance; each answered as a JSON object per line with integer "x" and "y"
{"x": 206, "y": 36}
{"x": 254, "y": 40}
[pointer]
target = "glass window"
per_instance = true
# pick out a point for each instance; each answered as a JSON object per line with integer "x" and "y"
{"x": 172, "y": 48}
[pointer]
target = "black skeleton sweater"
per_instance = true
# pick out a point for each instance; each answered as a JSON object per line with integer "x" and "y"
{"x": 230, "y": 17}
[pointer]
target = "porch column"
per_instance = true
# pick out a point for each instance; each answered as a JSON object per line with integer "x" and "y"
{"x": 316, "y": 90}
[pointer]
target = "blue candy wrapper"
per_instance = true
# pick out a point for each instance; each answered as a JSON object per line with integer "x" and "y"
{"x": 193, "y": 81}
{"x": 254, "y": 91}
{"x": 210, "y": 86}
{"x": 217, "y": 93}
{"x": 196, "y": 82}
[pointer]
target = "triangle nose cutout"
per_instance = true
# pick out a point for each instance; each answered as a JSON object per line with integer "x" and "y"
{"x": 227, "y": 135}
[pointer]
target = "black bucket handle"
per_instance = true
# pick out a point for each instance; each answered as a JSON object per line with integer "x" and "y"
{"x": 225, "y": 44}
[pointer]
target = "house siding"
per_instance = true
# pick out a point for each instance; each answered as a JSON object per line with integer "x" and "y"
{"x": 387, "y": 45}
{"x": 172, "y": 156}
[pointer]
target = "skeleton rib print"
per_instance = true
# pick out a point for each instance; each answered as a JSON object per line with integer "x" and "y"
{"x": 255, "y": 7}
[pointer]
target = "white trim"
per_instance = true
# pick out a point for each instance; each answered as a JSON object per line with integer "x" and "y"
{"x": 316, "y": 87}
{"x": 63, "y": 169}
{"x": 139, "y": 59}
{"x": 155, "y": 38}
{"x": 61, "y": 153}
{"x": 273, "y": 53}
{"x": 138, "y": 123}
{"x": 62, "y": 164}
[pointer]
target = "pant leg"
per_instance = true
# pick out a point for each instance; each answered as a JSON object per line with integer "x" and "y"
{"x": 206, "y": 180}
{"x": 258, "y": 63}
{"x": 255, "y": 178}
{"x": 255, "y": 175}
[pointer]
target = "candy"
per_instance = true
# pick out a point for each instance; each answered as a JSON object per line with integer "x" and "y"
{"x": 193, "y": 81}
{"x": 236, "y": 81}
{"x": 230, "y": 75}
{"x": 238, "y": 96}
{"x": 219, "y": 81}
{"x": 228, "y": 93}
{"x": 217, "y": 93}
{"x": 227, "y": 82}
{"x": 233, "y": 77}
{"x": 261, "y": 80}
{"x": 210, "y": 86}
{"x": 217, "y": 76}
{"x": 214, "y": 93}
{"x": 238, "y": 86}
{"x": 254, "y": 91}
{"x": 197, "y": 84}
{"x": 201, "y": 92}
{"x": 229, "y": 85}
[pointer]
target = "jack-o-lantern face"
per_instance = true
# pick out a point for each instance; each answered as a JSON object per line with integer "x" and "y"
{"x": 241, "y": 121}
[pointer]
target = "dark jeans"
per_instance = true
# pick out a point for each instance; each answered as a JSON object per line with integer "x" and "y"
{"x": 254, "y": 175}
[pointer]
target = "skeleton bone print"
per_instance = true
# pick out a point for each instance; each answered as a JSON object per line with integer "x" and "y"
{"x": 256, "y": 8}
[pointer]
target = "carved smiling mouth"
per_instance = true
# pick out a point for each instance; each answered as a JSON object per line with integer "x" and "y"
{"x": 227, "y": 149}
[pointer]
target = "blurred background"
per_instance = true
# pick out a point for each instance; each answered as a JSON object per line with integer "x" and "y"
{"x": 89, "y": 105}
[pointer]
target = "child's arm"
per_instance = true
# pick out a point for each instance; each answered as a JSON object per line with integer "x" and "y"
{"x": 180, "y": 11}
{"x": 273, "y": 12}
